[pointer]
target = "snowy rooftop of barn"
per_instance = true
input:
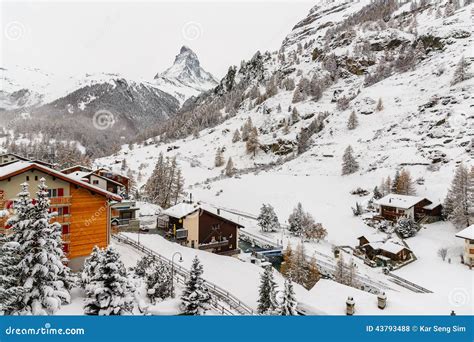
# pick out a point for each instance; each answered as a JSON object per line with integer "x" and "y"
{"x": 467, "y": 233}
{"x": 399, "y": 201}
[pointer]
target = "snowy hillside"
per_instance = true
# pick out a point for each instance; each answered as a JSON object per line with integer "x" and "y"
{"x": 396, "y": 68}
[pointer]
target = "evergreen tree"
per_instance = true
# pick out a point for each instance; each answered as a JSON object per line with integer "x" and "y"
{"x": 287, "y": 306}
{"x": 303, "y": 141}
{"x": 295, "y": 220}
{"x": 236, "y": 136}
{"x": 195, "y": 299}
{"x": 267, "y": 296}
{"x": 229, "y": 168}
{"x": 267, "y": 219}
{"x": 43, "y": 274}
{"x": 458, "y": 200}
{"x": 252, "y": 142}
{"x": 349, "y": 163}
{"x": 91, "y": 266}
{"x": 396, "y": 180}
{"x": 461, "y": 73}
{"x": 353, "y": 122}
{"x": 11, "y": 292}
{"x": 219, "y": 159}
{"x": 406, "y": 228}
{"x": 142, "y": 265}
{"x": 377, "y": 193}
{"x": 109, "y": 291}
{"x": 158, "y": 281}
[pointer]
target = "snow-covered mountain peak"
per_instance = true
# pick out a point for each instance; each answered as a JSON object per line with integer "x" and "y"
{"x": 186, "y": 77}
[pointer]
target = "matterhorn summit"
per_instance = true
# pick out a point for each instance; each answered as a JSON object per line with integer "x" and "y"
{"x": 186, "y": 77}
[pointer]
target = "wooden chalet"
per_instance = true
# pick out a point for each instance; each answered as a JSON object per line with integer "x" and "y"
{"x": 394, "y": 206}
{"x": 202, "y": 227}
{"x": 114, "y": 176}
{"x": 7, "y": 158}
{"x": 83, "y": 210}
{"x": 384, "y": 252}
{"x": 468, "y": 235}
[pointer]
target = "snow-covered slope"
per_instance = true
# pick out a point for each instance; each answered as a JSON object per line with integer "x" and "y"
{"x": 186, "y": 77}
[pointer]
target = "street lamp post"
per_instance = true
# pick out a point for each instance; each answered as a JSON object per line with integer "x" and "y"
{"x": 172, "y": 270}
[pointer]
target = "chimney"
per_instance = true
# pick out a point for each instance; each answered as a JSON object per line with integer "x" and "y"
{"x": 218, "y": 211}
{"x": 381, "y": 300}
{"x": 190, "y": 198}
{"x": 350, "y": 306}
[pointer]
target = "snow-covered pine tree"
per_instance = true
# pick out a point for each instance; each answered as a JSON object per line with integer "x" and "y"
{"x": 349, "y": 163}
{"x": 195, "y": 298}
{"x": 236, "y": 136}
{"x": 252, "y": 142}
{"x": 158, "y": 281}
{"x": 11, "y": 292}
{"x": 267, "y": 219}
{"x": 287, "y": 306}
{"x": 353, "y": 122}
{"x": 376, "y": 193}
{"x": 457, "y": 202}
{"x": 394, "y": 185}
{"x": 461, "y": 73}
{"x": 91, "y": 266}
{"x": 219, "y": 158}
{"x": 109, "y": 291}
{"x": 43, "y": 273}
{"x": 267, "y": 293}
{"x": 406, "y": 227}
{"x": 229, "y": 168}
{"x": 295, "y": 220}
{"x": 142, "y": 265}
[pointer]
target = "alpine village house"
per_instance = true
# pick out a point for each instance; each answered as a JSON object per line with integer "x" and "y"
{"x": 420, "y": 209}
{"x": 88, "y": 207}
{"x": 198, "y": 226}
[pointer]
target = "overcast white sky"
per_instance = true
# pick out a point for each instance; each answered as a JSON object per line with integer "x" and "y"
{"x": 139, "y": 39}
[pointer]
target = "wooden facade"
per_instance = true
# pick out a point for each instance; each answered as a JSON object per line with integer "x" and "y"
{"x": 82, "y": 210}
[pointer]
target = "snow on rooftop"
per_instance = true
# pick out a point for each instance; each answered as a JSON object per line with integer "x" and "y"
{"x": 181, "y": 210}
{"x": 20, "y": 165}
{"x": 388, "y": 246}
{"x": 467, "y": 233}
{"x": 79, "y": 175}
{"x": 399, "y": 201}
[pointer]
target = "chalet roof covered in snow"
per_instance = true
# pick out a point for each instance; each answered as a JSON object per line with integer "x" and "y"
{"x": 22, "y": 166}
{"x": 181, "y": 210}
{"x": 388, "y": 246}
{"x": 467, "y": 233}
{"x": 399, "y": 201}
{"x": 184, "y": 209}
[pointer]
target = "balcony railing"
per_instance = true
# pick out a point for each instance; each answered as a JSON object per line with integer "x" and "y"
{"x": 60, "y": 200}
{"x": 214, "y": 244}
{"x": 61, "y": 219}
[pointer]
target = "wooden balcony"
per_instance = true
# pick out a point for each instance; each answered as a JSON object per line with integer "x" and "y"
{"x": 64, "y": 200}
{"x": 61, "y": 219}
{"x": 213, "y": 244}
